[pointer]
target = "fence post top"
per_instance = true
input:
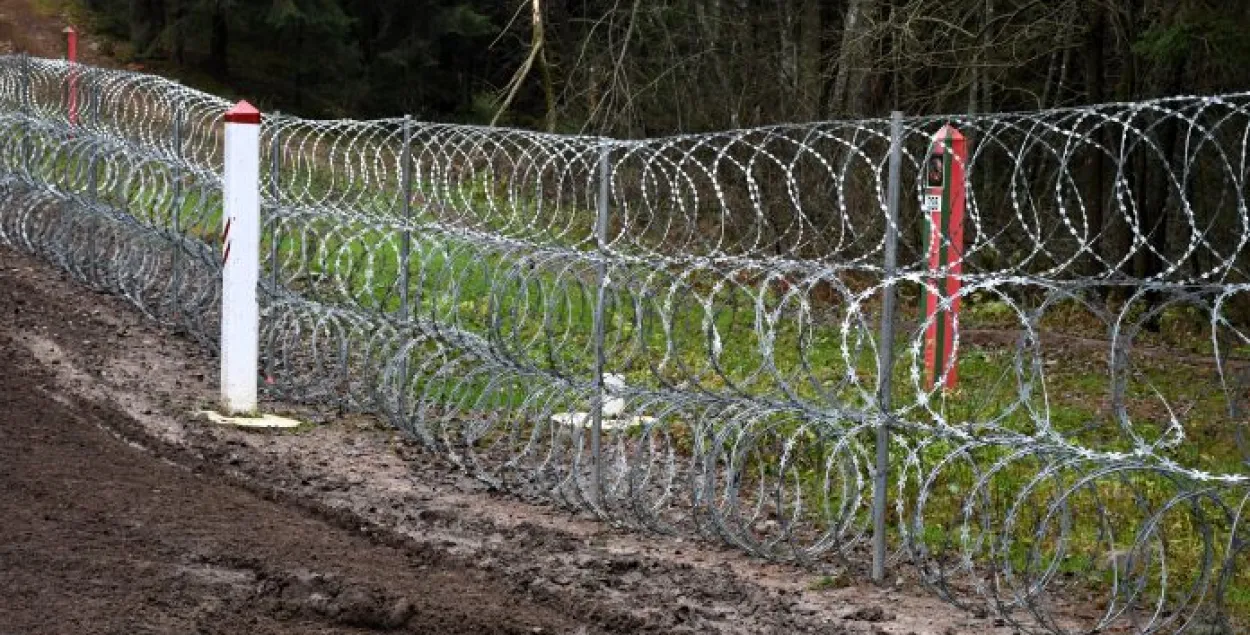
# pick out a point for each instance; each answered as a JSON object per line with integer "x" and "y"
{"x": 948, "y": 132}
{"x": 69, "y": 29}
{"x": 243, "y": 112}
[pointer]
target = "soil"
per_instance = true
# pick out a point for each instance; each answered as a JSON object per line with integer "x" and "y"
{"x": 36, "y": 28}
{"x": 100, "y": 537}
{"x": 124, "y": 513}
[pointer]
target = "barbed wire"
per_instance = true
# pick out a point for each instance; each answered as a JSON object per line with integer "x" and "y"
{"x": 713, "y": 305}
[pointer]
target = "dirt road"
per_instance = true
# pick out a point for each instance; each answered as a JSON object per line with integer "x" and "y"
{"x": 121, "y": 513}
{"x": 98, "y": 536}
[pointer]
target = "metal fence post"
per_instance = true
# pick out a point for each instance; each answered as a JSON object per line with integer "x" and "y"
{"x": 885, "y": 352}
{"x": 176, "y": 215}
{"x": 25, "y": 85}
{"x": 95, "y": 102}
{"x": 26, "y": 107}
{"x": 405, "y": 240}
{"x": 275, "y": 197}
{"x": 601, "y": 277}
{"x": 93, "y": 164}
{"x": 275, "y": 202}
{"x": 405, "y": 256}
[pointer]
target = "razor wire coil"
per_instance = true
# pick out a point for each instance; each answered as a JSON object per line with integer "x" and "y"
{"x": 714, "y": 303}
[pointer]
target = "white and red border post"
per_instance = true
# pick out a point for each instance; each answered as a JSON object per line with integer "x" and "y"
{"x": 240, "y": 311}
{"x": 944, "y": 212}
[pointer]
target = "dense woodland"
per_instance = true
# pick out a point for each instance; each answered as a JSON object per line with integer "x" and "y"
{"x": 635, "y": 68}
{"x": 631, "y": 68}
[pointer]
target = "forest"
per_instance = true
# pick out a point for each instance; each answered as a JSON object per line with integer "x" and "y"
{"x": 631, "y": 68}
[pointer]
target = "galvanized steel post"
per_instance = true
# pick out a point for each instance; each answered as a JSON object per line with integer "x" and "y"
{"x": 275, "y": 199}
{"x": 405, "y": 240}
{"x": 405, "y": 255}
{"x": 176, "y": 212}
{"x": 26, "y": 99}
{"x": 601, "y": 243}
{"x": 885, "y": 351}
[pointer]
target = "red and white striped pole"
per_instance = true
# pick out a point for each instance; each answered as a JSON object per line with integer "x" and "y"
{"x": 944, "y": 203}
{"x": 240, "y": 312}
{"x": 71, "y": 37}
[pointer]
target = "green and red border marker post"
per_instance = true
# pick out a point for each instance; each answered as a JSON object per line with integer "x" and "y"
{"x": 943, "y": 208}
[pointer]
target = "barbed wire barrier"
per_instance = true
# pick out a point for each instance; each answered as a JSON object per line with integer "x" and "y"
{"x": 684, "y": 335}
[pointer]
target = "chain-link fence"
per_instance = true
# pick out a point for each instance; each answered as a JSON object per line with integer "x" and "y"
{"x": 688, "y": 334}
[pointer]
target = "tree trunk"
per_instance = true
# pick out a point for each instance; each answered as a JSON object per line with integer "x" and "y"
{"x": 147, "y": 20}
{"x": 549, "y": 91}
{"x": 1151, "y": 259}
{"x": 299, "y": 64}
{"x": 219, "y": 43}
{"x": 1158, "y": 193}
{"x": 788, "y": 52}
{"x": 810, "y": 71}
{"x": 1157, "y": 190}
{"x": 1118, "y": 242}
{"x": 1095, "y": 76}
{"x": 709, "y": 13}
{"x": 979, "y": 90}
{"x": 850, "y": 58}
{"x": 537, "y": 56}
{"x": 178, "y": 18}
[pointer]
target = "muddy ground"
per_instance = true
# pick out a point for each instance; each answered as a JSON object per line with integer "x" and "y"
{"x": 123, "y": 513}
